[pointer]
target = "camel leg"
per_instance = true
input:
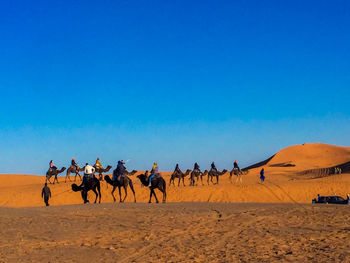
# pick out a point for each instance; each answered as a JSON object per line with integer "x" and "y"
{"x": 164, "y": 195}
{"x": 217, "y": 179}
{"x": 183, "y": 181}
{"x": 178, "y": 185}
{"x": 120, "y": 195}
{"x": 114, "y": 187}
{"x": 94, "y": 190}
{"x": 150, "y": 196}
{"x": 99, "y": 193}
{"x": 132, "y": 189}
{"x": 126, "y": 192}
{"x": 154, "y": 193}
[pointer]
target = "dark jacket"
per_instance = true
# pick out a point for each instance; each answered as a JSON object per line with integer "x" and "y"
{"x": 74, "y": 163}
{"x": 196, "y": 166}
{"x": 46, "y": 192}
{"x": 235, "y": 165}
{"x": 177, "y": 169}
{"x": 213, "y": 166}
{"x": 120, "y": 170}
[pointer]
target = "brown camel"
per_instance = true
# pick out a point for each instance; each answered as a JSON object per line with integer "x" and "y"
{"x": 72, "y": 169}
{"x": 102, "y": 170}
{"x": 124, "y": 182}
{"x": 53, "y": 172}
{"x": 196, "y": 174}
{"x": 157, "y": 182}
{"x": 237, "y": 172}
{"x": 181, "y": 176}
{"x": 90, "y": 184}
{"x": 214, "y": 173}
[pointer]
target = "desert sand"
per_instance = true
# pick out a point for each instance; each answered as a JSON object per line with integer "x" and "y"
{"x": 227, "y": 222}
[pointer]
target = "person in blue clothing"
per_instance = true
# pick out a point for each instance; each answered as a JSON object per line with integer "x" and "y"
{"x": 262, "y": 175}
{"x": 119, "y": 171}
{"x": 154, "y": 172}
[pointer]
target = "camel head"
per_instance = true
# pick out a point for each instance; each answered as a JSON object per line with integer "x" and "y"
{"x": 75, "y": 188}
{"x": 108, "y": 168}
{"x": 188, "y": 171}
{"x": 133, "y": 172}
{"x": 224, "y": 171}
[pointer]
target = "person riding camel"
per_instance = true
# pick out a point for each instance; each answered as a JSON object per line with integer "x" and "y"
{"x": 88, "y": 172}
{"x": 119, "y": 171}
{"x": 213, "y": 166}
{"x": 235, "y": 166}
{"x": 196, "y": 167}
{"x": 52, "y": 166}
{"x": 75, "y": 164}
{"x": 177, "y": 169}
{"x": 98, "y": 164}
{"x": 154, "y": 172}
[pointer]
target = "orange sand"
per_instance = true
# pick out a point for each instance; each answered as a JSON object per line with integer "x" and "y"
{"x": 282, "y": 185}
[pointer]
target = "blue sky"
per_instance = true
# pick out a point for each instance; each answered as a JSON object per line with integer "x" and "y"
{"x": 171, "y": 81}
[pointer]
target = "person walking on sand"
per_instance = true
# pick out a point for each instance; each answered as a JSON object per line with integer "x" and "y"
{"x": 262, "y": 175}
{"x": 46, "y": 194}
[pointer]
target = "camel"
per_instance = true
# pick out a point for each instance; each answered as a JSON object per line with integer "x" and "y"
{"x": 52, "y": 172}
{"x": 102, "y": 170}
{"x": 196, "y": 174}
{"x": 124, "y": 182}
{"x": 74, "y": 170}
{"x": 91, "y": 184}
{"x": 181, "y": 176}
{"x": 238, "y": 173}
{"x": 157, "y": 182}
{"x": 214, "y": 173}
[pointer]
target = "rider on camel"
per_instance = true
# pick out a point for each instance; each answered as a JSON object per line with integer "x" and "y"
{"x": 196, "y": 167}
{"x": 75, "y": 164}
{"x": 177, "y": 169}
{"x": 154, "y": 172}
{"x": 98, "y": 164}
{"x": 88, "y": 172}
{"x": 52, "y": 166}
{"x": 235, "y": 166}
{"x": 119, "y": 171}
{"x": 213, "y": 166}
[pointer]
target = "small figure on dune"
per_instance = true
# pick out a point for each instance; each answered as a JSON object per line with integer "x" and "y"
{"x": 262, "y": 175}
{"x": 46, "y": 194}
{"x": 196, "y": 173}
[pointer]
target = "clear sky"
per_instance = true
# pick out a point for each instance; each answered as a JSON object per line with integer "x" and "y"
{"x": 170, "y": 81}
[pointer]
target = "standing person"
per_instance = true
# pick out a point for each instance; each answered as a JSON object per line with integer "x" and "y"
{"x": 119, "y": 171}
{"x": 262, "y": 175}
{"x": 46, "y": 194}
{"x": 154, "y": 171}
{"x": 88, "y": 171}
{"x": 52, "y": 166}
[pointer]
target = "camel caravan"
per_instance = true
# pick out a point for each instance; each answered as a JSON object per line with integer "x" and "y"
{"x": 121, "y": 178}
